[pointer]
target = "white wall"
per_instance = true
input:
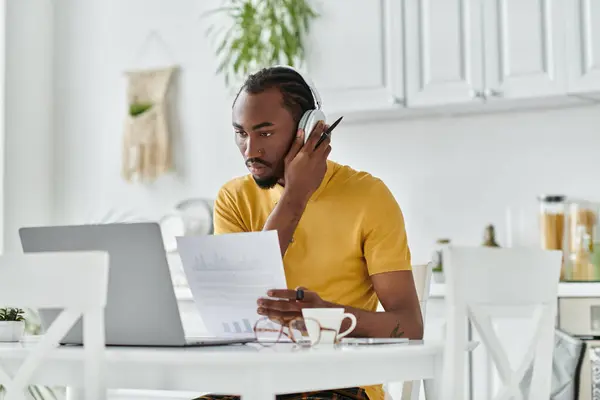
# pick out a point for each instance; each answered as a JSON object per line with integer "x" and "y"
{"x": 451, "y": 176}
{"x": 97, "y": 41}
{"x": 28, "y": 149}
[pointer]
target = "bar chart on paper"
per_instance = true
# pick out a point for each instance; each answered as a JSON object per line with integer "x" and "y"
{"x": 227, "y": 274}
{"x": 243, "y": 326}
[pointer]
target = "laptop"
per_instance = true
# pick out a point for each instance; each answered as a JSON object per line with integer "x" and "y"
{"x": 141, "y": 308}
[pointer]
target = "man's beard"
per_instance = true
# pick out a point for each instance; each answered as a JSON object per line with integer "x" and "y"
{"x": 278, "y": 171}
{"x": 270, "y": 181}
{"x": 266, "y": 183}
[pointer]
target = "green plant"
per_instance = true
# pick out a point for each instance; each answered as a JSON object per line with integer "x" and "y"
{"x": 136, "y": 109}
{"x": 11, "y": 314}
{"x": 262, "y": 33}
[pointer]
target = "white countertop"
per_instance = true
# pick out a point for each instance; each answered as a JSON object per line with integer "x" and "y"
{"x": 570, "y": 289}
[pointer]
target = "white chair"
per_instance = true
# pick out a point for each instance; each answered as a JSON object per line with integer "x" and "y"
{"x": 482, "y": 283}
{"x": 410, "y": 390}
{"x": 75, "y": 282}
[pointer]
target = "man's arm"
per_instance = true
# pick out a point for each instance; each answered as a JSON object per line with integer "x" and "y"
{"x": 305, "y": 167}
{"x": 402, "y": 315}
{"x": 397, "y": 294}
{"x": 388, "y": 258}
{"x": 285, "y": 217}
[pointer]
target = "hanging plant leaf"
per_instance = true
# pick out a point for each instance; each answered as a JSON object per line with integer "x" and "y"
{"x": 261, "y": 33}
{"x": 136, "y": 109}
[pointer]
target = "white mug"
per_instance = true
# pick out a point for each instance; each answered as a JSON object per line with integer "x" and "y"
{"x": 330, "y": 321}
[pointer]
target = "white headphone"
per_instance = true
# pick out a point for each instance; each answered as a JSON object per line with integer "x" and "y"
{"x": 311, "y": 117}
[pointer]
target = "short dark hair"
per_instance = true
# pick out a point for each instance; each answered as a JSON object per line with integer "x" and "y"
{"x": 297, "y": 96}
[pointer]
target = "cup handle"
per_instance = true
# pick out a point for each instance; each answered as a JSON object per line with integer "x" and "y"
{"x": 352, "y": 325}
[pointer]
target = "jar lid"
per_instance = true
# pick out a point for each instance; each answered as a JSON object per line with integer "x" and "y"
{"x": 552, "y": 198}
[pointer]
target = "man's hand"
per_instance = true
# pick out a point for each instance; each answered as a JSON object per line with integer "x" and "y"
{"x": 284, "y": 307}
{"x": 305, "y": 166}
{"x": 396, "y": 291}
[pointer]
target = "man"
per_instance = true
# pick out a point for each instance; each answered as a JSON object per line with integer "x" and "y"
{"x": 341, "y": 232}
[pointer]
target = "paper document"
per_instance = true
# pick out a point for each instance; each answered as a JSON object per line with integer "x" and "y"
{"x": 228, "y": 273}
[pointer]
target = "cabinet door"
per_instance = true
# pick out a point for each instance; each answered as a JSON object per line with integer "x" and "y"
{"x": 443, "y": 52}
{"x": 350, "y": 57}
{"x": 583, "y": 45}
{"x": 524, "y": 44}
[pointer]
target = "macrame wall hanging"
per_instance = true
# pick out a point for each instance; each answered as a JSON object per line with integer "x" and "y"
{"x": 147, "y": 137}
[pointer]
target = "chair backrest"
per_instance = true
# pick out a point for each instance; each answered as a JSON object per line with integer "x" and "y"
{"x": 482, "y": 283}
{"x": 422, "y": 276}
{"x": 410, "y": 390}
{"x": 74, "y": 282}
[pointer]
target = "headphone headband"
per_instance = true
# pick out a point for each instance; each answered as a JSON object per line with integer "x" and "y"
{"x": 313, "y": 89}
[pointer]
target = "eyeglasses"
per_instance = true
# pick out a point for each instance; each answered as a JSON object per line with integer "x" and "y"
{"x": 269, "y": 332}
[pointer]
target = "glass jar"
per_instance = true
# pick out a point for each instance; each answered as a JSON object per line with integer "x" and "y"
{"x": 582, "y": 242}
{"x": 552, "y": 226}
{"x": 582, "y": 218}
{"x": 552, "y": 221}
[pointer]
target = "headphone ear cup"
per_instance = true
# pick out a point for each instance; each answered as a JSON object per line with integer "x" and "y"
{"x": 303, "y": 121}
{"x": 309, "y": 120}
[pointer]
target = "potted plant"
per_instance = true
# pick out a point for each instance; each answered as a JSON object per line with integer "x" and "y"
{"x": 261, "y": 33}
{"x": 12, "y": 324}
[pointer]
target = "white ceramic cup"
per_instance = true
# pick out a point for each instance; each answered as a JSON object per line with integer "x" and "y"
{"x": 330, "y": 321}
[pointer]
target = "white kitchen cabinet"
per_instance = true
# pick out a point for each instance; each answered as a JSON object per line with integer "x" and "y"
{"x": 430, "y": 56}
{"x": 524, "y": 43}
{"x": 583, "y": 46}
{"x": 443, "y": 52}
{"x": 467, "y": 51}
{"x": 362, "y": 68}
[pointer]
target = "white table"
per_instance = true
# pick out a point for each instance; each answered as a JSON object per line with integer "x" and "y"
{"x": 255, "y": 372}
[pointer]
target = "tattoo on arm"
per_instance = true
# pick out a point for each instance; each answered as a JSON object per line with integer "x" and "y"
{"x": 396, "y": 332}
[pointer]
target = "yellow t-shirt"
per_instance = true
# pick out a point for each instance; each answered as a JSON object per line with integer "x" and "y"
{"x": 351, "y": 228}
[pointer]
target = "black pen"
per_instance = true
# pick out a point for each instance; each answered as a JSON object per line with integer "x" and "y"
{"x": 327, "y": 133}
